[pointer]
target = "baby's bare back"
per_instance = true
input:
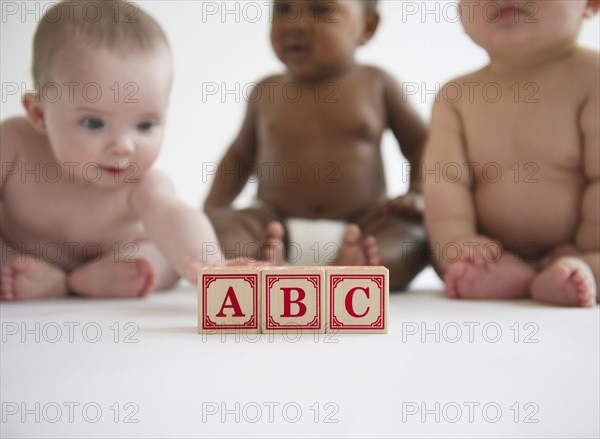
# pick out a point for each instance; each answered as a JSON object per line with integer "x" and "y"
{"x": 319, "y": 146}
{"x": 44, "y": 213}
{"x": 527, "y": 152}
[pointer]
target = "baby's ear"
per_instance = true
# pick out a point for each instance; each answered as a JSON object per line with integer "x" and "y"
{"x": 35, "y": 112}
{"x": 371, "y": 24}
{"x": 592, "y": 8}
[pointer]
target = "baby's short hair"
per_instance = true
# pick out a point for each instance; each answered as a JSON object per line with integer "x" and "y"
{"x": 113, "y": 24}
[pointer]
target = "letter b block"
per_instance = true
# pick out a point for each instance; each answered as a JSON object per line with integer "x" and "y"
{"x": 293, "y": 299}
{"x": 229, "y": 299}
{"x": 358, "y": 299}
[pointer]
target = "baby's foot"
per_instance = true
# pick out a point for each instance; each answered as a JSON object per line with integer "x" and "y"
{"x": 568, "y": 281}
{"x": 28, "y": 279}
{"x": 106, "y": 278}
{"x": 272, "y": 251}
{"x": 501, "y": 280}
{"x": 357, "y": 251}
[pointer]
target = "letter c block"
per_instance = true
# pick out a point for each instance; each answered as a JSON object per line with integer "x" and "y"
{"x": 358, "y": 299}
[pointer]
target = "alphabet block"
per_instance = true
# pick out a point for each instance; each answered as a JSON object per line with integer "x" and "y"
{"x": 229, "y": 299}
{"x": 357, "y": 299}
{"x": 293, "y": 298}
{"x": 308, "y": 299}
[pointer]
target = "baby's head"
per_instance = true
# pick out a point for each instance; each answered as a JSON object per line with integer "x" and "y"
{"x": 523, "y": 28}
{"x": 317, "y": 39}
{"x": 102, "y": 72}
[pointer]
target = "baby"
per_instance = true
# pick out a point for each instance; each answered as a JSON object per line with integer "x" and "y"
{"x": 517, "y": 211}
{"x": 81, "y": 208}
{"x": 312, "y": 138}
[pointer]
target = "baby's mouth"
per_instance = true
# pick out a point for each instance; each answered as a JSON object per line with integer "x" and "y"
{"x": 113, "y": 170}
{"x": 511, "y": 13}
{"x": 296, "y": 51}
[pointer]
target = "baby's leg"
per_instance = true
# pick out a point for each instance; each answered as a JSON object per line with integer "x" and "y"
{"x": 25, "y": 277}
{"x": 249, "y": 234}
{"x": 356, "y": 249}
{"x": 401, "y": 245}
{"x": 507, "y": 278}
{"x": 107, "y": 277}
{"x": 569, "y": 281}
{"x": 165, "y": 275}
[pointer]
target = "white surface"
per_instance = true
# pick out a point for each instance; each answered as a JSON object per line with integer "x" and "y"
{"x": 172, "y": 371}
{"x": 173, "y": 374}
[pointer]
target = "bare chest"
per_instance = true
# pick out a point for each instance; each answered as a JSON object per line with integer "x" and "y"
{"x": 82, "y": 223}
{"x": 329, "y": 113}
{"x": 516, "y": 131}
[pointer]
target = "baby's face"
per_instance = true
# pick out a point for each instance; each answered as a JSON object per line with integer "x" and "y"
{"x": 522, "y": 26}
{"x": 316, "y": 39}
{"x": 112, "y": 116}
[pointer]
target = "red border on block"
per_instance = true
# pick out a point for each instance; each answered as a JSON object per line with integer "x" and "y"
{"x": 252, "y": 322}
{"x": 335, "y": 279}
{"x": 271, "y": 324}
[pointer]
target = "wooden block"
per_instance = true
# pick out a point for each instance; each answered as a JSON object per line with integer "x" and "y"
{"x": 293, "y": 299}
{"x": 357, "y": 299}
{"x": 229, "y": 299}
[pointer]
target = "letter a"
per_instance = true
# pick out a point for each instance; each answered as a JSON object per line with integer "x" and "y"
{"x": 237, "y": 311}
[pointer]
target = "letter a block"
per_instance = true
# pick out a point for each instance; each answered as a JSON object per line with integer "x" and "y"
{"x": 293, "y": 299}
{"x": 229, "y": 299}
{"x": 357, "y": 299}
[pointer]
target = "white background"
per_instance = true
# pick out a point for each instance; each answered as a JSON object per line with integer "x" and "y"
{"x": 418, "y": 42}
{"x": 173, "y": 371}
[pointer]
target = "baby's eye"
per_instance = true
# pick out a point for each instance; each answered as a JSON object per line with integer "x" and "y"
{"x": 146, "y": 125}
{"x": 321, "y": 10}
{"x": 92, "y": 124}
{"x": 282, "y": 8}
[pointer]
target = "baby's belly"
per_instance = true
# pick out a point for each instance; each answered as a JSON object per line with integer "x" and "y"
{"x": 336, "y": 201}
{"x": 69, "y": 246}
{"x": 528, "y": 217}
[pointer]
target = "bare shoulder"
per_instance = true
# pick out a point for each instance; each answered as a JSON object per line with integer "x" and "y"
{"x": 154, "y": 181}
{"x": 271, "y": 80}
{"x": 148, "y": 192}
{"x": 589, "y": 60}
{"x": 19, "y": 139}
{"x": 458, "y": 91}
{"x": 376, "y": 76}
{"x": 590, "y": 66}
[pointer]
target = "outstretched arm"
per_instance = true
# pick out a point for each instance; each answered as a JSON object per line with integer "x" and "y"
{"x": 184, "y": 235}
{"x": 230, "y": 180}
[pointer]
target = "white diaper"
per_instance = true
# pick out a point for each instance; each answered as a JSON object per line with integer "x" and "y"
{"x": 313, "y": 242}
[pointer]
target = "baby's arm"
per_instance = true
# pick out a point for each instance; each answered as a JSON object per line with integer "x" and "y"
{"x": 411, "y": 133}
{"x": 184, "y": 235}
{"x": 9, "y": 130}
{"x": 227, "y": 185}
{"x": 450, "y": 215}
{"x": 588, "y": 233}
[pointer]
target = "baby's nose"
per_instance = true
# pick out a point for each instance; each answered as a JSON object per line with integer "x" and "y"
{"x": 121, "y": 146}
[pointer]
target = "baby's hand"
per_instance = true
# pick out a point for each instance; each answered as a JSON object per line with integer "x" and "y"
{"x": 480, "y": 250}
{"x": 197, "y": 264}
{"x": 410, "y": 204}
